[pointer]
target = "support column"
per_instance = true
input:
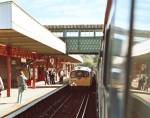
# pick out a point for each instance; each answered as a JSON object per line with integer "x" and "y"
{"x": 56, "y": 67}
{"x": 8, "y": 71}
{"x": 72, "y": 67}
{"x": 47, "y": 63}
{"x": 67, "y": 70}
{"x": 33, "y": 86}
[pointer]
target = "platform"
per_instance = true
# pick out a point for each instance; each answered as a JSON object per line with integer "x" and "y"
{"x": 143, "y": 96}
{"x": 9, "y": 104}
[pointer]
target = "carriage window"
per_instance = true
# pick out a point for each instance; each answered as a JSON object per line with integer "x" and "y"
{"x": 116, "y": 78}
{"x": 140, "y": 71}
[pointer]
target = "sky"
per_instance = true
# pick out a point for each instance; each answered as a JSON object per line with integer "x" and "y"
{"x": 141, "y": 14}
{"x": 65, "y": 11}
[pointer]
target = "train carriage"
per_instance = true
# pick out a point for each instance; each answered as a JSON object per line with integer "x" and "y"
{"x": 80, "y": 77}
{"x": 124, "y": 66}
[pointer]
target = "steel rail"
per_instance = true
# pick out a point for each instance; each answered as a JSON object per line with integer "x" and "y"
{"x": 81, "y": 106}
{"x": 60, "y": 107}
{"x": 84, "y": 111}
{"x": 53, "y": 105}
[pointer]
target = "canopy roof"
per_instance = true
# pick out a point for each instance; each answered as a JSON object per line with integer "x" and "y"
{"x": 18, "y": 29}
{"x": 141, "y": 50}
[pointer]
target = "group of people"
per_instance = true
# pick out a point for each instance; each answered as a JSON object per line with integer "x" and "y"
{"x": 51, "y": 75}
{"x": 144, "y": 79}
{"x": 144, "y": 83}
{"x": 21, "y": 79}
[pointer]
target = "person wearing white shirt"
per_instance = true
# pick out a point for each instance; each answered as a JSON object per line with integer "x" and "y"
{"x": 1, "y": 85}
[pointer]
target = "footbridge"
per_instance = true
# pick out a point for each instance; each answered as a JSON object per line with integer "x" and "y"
{"x": 79, "y": 39}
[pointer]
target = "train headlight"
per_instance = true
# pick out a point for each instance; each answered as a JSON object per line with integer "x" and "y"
{"x": 73, "y": 84}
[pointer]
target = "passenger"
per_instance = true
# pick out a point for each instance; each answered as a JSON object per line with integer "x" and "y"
{"x": 146, "y": 83}
{"x": 46, "y": 77}
{"x": 61, "y": 77}
{"x": 94, "y": 80}
{"x": 52, "y": 76}
{"x": 1, "y": 86}
{"x": 93, "y": 75}
{"x": 143, "y": 75}
{"x": 21, "y": 79}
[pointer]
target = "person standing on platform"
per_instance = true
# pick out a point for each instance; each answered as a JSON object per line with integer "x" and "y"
{"x": 46, "y": 77}
{"x": 61, "y": 77}
{"x": 50, "y": 76}
{"x": 21, "y": 79}
{"x": 1, "y": 85}
{"x": 53, "y": 76}
{"x": 143, "y": 76}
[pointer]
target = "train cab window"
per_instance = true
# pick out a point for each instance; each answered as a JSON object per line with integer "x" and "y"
{"x": 86, "y": 74}
{"x": 79, "y": 74}
{"x": 139, "y": 84}
{"x": 73, "y": 74}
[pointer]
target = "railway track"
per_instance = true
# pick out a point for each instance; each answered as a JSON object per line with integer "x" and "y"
{"x": 74, "y": 105}
{"x": 62, "y": 104}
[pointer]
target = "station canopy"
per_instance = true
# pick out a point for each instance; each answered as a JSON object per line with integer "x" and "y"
{"x": 18, "y": 29}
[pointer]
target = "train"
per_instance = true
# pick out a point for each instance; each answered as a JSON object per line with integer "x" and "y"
{"x": 124, "y": 61}
{"x": 80, "y": 77}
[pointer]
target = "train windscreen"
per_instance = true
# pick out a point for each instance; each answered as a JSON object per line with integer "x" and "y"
{"x": 78, "y": 73}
